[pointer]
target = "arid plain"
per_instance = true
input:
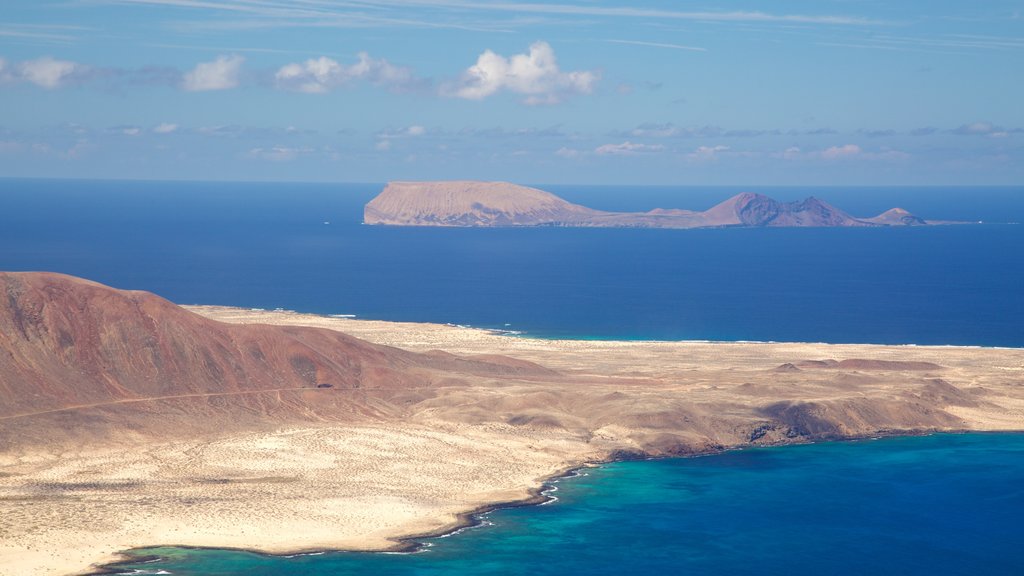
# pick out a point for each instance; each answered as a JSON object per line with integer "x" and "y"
{"x": 464, "y": 419}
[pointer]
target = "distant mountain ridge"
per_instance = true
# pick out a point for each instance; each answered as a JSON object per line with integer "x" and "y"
{"x": 498, "y": 204}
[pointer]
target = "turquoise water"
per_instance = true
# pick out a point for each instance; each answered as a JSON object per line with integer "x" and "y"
{"x": 937, "y": 505}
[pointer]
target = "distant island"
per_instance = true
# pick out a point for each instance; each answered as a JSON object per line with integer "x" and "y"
{"x": 498, "y": 204}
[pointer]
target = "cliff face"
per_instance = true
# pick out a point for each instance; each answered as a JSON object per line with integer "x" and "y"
{"x": 470, "y": 204}
{"x": 465, "y": 203}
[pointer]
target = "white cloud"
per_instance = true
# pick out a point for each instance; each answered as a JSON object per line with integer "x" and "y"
{"x": 707, "y": 153}
{"x": 80, "y": 148}
{"x": 316, "y": 76}
{"x": 843, "y": 152}
{"x": 839, "y": 152}
{"x": 887, "y": 154}
{"x": 220, "y": 74}
{"x": 131, "y": 130}
{"x": 984, "y": 129}
{"x": 565, "y": 152}
{"x": 535, "y": 75}
{"x": 976, "y": 128}
{"x": 48, "y": 72}
{"x": 279, "y": 153}
{"x": 627, "y": 148}
{"x": 408, "y": 132}
{"x": 385, "y": 137}
{"x": 165, "y": 128}
{"x": 791, "y": 153}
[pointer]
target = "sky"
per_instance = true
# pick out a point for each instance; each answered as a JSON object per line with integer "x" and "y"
{"x": 734, "y": 92}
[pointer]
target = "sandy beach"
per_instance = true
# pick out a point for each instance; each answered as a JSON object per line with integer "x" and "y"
{"x": 424, "y": 457}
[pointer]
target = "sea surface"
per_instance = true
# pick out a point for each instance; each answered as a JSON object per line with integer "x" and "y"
{"x": 303, "y": 247}
{"x": 939, "y": 505}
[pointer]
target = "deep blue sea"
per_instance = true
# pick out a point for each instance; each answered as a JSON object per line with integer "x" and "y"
{"x": 931, "y": 506}
{"x": 268, "y": 245}
{"x": 940, "y": 505}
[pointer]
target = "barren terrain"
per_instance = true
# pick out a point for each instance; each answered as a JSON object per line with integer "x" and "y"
{"x": 414, "y": 439}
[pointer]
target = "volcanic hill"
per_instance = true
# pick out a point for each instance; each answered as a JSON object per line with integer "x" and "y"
{"x": 489, "y": 204}
{"x": 81, "y": 361}
{"x": 92, "y": 359}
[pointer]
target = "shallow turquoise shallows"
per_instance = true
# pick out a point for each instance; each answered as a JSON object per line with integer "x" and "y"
{"x": 936, "y": 505}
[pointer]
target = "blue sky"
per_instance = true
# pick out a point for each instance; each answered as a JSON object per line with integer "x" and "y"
{"x": 842, "y": 92}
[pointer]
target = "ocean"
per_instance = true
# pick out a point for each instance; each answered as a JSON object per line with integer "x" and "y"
{"x": 303, "y": 247}
{"x": 939, "y": 505}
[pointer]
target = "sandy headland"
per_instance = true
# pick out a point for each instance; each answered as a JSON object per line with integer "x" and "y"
{"x": 438, "y": 421}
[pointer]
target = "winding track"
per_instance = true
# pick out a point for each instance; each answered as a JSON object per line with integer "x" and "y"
{"x": 178, "y": 396}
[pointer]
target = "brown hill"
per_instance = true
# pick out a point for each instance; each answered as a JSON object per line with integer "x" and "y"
{"x": 468, "y": 203}
{"x": 81, "y": 361}
{"x": 67, "y": 343}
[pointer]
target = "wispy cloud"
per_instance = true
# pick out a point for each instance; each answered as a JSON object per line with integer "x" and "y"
{"x": 937, "y": 44}
{"x": 885, "y": 133}
{"x": 659, "y": 45}
{"x": 707, "y": 153}
{"x": 385, "y": 138}
{"x": 627, "y": 148}
{"x": 639, "y": 12}
{"x": 52, "y": 73}
{"x": 319, "y": 75}
{"x": 839, "y": 152}
{"x": 125, "y": 130}
{"x": 43, "y": 33}
{"x": 842, "y": 153}
{"x": 467, "y": 14}
{"x": 280, "y": 153}
{"x": 984, "y": 129}
{"x": 669, "y": 130}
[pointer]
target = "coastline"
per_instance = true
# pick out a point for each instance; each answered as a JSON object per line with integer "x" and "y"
{"x": 477, "y": 517}
{"x": 663, "y": 399}
{"x": 279, "y": 316}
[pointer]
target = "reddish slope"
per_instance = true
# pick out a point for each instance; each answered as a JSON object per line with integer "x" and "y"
{"x": 68, "y": 342}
